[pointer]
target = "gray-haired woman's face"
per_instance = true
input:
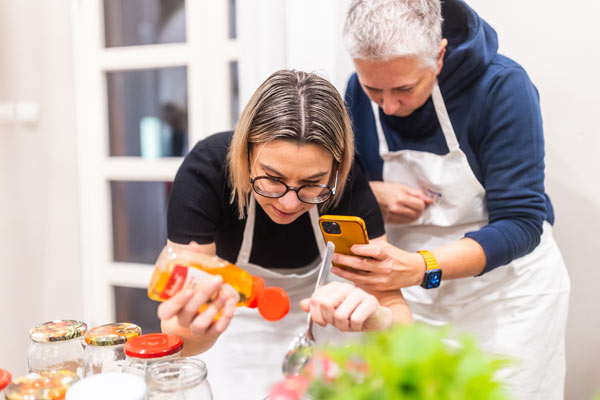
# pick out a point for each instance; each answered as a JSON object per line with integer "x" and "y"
{"x": 399, "y": 86}
{"x": 295, "y": 164}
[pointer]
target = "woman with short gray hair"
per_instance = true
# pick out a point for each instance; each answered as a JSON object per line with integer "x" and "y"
{"x": 450, "y": 135}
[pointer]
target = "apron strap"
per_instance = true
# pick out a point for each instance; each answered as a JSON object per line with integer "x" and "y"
{"x": 442, "y": 115}
{"x": 313, "y": 213}
{"x": 444, "y": 118}
{"x": 248, "y": 238}
{"x": 383, "y": 146}
{"x": 244, "y": 254}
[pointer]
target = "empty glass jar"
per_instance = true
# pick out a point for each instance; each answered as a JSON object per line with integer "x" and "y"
{"x": 46, "y": 385}
{"x": 56, "y": 345}
{"x": 147, "y": 349}
{"x": 104, "y": 347}
{"x": 180, "y": 379}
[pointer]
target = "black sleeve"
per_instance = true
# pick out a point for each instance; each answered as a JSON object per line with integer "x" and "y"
{"x": 358, "y": 200}
{"x": 195, "y": 210}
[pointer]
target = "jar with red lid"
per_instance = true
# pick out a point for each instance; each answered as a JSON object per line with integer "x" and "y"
{"x": 46, "y": 385}
{"x": 145, "y": 350}
{"x": 5, "y": 378}
{"x": 56, "y": 345}
{"x": 105, "y": 347}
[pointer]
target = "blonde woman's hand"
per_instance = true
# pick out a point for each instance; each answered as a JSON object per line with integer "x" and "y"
{"x": 180, "y": 314}
{"x": 347, "y": 308}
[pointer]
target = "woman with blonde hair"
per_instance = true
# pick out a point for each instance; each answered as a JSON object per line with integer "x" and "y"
{"x": 253, "y": 197}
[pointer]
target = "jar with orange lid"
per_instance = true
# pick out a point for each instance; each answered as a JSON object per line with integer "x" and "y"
{"x": 46, "y": 385}
{"x": 178, "y": 267}
{"x": 104, "y": 347}
{"x": 5, "y": 378}
{"x": 145, "y": 350}
{"x": 56, "y": 345}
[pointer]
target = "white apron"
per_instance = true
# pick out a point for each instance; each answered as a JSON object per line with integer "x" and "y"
{"x": 246, "y": 359}
{"x": 519, "y": 309}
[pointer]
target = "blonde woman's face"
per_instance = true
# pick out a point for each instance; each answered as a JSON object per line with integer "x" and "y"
{"x": 295, "y": 165}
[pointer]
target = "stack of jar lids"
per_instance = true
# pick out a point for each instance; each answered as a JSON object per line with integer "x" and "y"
{"x": 47, "y": 385}
{"x": 153, "y": 345}
{"x": 59, "y": 330}
{"x": 112, "y": 334}
{"x": 5, "y": 378}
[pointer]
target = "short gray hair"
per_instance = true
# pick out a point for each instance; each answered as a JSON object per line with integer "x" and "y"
{"x": 387, "y": 29}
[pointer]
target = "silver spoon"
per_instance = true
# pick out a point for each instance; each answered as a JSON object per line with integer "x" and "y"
{"x": 301, "y": 348}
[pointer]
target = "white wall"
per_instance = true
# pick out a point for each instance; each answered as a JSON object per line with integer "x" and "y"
{"x": 556, "y": 43}
{"x": 39, "y": 211}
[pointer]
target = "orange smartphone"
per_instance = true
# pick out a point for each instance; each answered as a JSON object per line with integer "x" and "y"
{"x": 343, "y": 232}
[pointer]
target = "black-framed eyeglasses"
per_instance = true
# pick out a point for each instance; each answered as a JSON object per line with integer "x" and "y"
{"x": 274, "y": 188}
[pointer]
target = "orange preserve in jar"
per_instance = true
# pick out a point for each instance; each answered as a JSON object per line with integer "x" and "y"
{"x": 46, "y": 385}
{"x": 178, "y": 267}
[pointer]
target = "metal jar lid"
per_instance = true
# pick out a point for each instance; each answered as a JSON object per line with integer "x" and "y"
{"x": 59, "y": 330}
{"x": 112, "y": 334}
{"x": 153, "y": 345}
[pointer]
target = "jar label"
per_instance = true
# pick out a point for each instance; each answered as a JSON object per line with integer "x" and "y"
{"x": 182, "y": 277}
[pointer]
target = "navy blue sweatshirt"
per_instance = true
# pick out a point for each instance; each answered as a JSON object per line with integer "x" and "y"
{"x": 494, "y": 109}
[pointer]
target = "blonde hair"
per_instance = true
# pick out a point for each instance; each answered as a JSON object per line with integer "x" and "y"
{"x": 296, "y": 106}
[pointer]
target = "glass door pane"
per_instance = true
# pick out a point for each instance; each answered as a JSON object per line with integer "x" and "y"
{"x": 147, "y": 112}
{"x": 139, "y": 216}
{"x": 141, "y": 22}
{"x": 133, "y": 305}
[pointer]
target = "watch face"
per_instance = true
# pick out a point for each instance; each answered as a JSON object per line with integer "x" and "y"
{"x": 433, "y": 279}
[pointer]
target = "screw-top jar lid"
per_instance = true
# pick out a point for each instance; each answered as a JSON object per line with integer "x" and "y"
{"x": 5, "y": 378}
{"x": 153, "y": 345}
{"x": 56, "y": 331}
{"x": 47, "y": 385}
{"x": 109, "y": 385}
{"x": 112, "y": 334}
{"x": 274, "y": 303}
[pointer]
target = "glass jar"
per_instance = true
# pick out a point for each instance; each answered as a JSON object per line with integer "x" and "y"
{"x": 180, "y": 379}
{"x": 46, "y": 385}
{"x": 56, "y": 345}
{"x": 5, "y": 378}
{"x": 110, "y": 385}
{"x": 147, "y": 349}
{"x": 104, "y": 347}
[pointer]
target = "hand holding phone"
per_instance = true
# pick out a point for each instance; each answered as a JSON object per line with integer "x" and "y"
{"x": 344, "y": 232}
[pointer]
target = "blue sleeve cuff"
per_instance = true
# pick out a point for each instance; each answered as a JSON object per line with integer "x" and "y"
{"x": 504, "y": 241}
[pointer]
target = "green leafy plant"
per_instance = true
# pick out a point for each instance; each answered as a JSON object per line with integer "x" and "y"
{"x": 407, "y": 362}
